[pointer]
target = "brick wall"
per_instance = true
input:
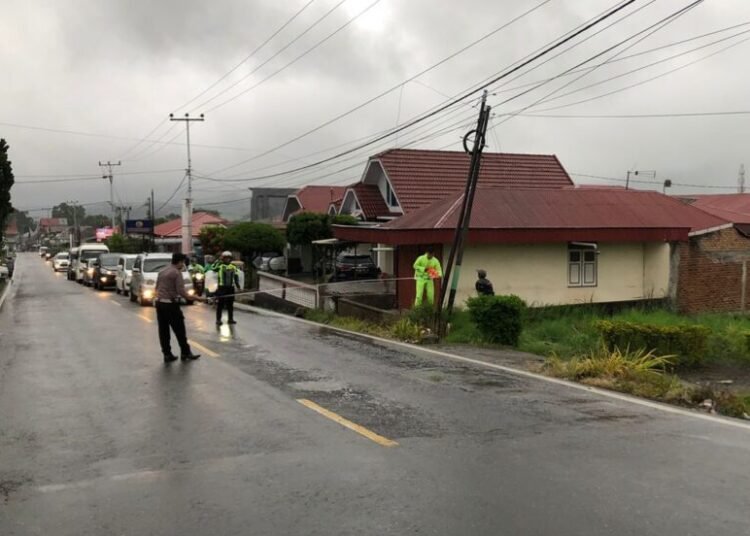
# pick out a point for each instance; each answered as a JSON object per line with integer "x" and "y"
{"x": 710, "y": 272}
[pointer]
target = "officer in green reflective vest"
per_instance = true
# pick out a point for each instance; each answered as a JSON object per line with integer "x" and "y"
{"x": 229, "y": 280}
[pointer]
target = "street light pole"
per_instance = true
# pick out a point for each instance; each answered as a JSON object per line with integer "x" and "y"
{"x": 187, "y": 208}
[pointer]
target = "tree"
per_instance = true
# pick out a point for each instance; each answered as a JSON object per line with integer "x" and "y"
{"x": 165, "y": 219}
{"x": 6, "y": 182}
{"x": 305, "y": 227}
{"x": 72, "y": 213}
{"x": 344, "y": 219}
{"x": 24, "y": 222}
{"x": 208, "y": 211}
{"x": 212, "y": 239}
{"x": 124, "y": 244}
{"x": 251, "y": 238}
{"x": 95, "y": 220}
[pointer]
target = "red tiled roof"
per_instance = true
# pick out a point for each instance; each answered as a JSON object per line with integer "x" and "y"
{"x": 11, "y": 229}
{"x": 53, "y": 222}
{"x": 317, "y": 198}
{"x": 556, "y": 215}
{"x": 421, "y": 177}
{"x": 371, "y": 201}
{"x": 173, "y": 228}
{"x": 562, "y": 208}
{"x": 732, "y": 207}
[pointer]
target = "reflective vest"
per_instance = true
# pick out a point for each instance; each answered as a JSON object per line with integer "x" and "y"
{"x": 227, "y": 275}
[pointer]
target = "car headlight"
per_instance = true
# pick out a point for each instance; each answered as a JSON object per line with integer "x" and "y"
{"x": 90, "y": 271}
{"x": 107, "y": 272}
{"x": 148, "y": 294}
{"x": 103, "y": 279}
{"x": 198, "y": 277}
{"x": 191, "y": 292}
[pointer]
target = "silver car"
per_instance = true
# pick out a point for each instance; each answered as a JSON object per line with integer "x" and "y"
{"x": 124, "y": 274}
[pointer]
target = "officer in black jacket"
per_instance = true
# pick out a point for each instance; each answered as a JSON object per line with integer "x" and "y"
{"x": 483, "y": 285}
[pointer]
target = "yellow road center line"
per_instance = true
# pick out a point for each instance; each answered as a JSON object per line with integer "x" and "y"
{"x": 147, "y": 319}
{"x": 361, "y": 430}
{"x": 207, "y": 351}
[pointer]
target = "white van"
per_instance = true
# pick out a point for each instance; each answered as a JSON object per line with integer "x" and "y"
{"x": 86, "y": 252}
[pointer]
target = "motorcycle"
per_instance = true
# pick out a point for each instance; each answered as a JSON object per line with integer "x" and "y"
{"x": 199, "y": 282}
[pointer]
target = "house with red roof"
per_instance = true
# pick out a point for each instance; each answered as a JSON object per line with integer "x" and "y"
{"x": 550, "y": 246}
{"x": 713, "y": 265}
{"x": 53, "y": 225}
{"x": 314, "y": 198}
{"x": 10, "y": 234}
{"x": 400, "y": 181}
{"x": 169, "y": 234}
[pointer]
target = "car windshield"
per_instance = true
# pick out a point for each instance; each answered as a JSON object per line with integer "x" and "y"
{"x": 155, "y": 265}
{"x": 109, "y": 260}
{"x": 61, "y": 256}
{"x": 129, "y": 264}
{"x": 90, "y": 254}
{"x": 355, "y": 258}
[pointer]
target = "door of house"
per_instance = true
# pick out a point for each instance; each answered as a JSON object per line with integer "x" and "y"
{"x": 406, "y": 287}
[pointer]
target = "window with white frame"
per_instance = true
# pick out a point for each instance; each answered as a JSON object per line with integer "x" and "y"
{"x": 390, "y": 195}
{"x": 582, "y": 267}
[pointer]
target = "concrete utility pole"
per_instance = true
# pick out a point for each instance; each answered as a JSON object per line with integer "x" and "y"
{"x": 455, "y": 259}
{"x": 187, "y": 207}
{"x": 741, "y": 180}
{"x": 108, "y": 175}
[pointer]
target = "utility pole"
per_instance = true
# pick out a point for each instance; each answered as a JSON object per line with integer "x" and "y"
{"x": 74, "y": 238}
{"x": 187, "y": 208}
{"x": 741, "y": 180}
{"x": 108, "y": 175}
{"x": 464, "y": 219}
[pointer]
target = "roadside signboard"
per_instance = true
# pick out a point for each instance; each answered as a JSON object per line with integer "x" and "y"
{"x": 139, "y": 226}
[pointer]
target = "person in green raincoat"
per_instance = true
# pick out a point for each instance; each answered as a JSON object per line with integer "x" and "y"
{"x": 426, "y": 270}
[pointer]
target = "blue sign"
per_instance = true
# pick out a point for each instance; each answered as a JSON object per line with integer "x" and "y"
{"x": 139, "y": 226}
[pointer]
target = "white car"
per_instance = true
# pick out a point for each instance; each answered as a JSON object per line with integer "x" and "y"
{"x": 61, "y": 261}
{"x": 143, "y": 277}
{"x": 124, "y": 273}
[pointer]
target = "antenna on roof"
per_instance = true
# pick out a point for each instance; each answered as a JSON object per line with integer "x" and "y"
{"x": 741, "y": 180}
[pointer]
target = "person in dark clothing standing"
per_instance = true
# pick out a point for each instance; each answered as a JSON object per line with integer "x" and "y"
{"x": 170, "y": 287}
{"x": 483, "y": 285}
{"x": 228, "y": 279}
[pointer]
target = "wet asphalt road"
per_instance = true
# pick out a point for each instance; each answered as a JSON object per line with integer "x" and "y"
{"x": 98, "y": 437}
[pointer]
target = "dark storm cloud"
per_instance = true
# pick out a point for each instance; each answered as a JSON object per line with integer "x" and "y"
{"x": 119, "y": 67}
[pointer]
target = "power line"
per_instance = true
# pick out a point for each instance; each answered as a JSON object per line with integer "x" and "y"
{"x": 249, "y": 56}
{"x": 683, "y": 184}
{"x": 296, "y": 59}
{"x": 646, "y": 81}
{"x": 276, "y": 54}
{"x": 462, "y": 97}
{"x": 640, "y": 116}
{"x": 173, "y": 193}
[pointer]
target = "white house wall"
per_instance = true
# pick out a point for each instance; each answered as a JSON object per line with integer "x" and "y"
{"x": 539, "y": 273}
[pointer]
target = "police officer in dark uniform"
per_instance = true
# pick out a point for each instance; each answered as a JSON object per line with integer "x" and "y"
{"x": 228, "y": 279}
{"x": 484, "y": 285}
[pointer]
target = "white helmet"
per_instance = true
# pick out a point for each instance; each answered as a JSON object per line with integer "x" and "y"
{"x": 226, "y": 254}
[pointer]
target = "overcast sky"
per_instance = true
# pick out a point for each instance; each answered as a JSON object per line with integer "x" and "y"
{"x": 115, "y": 69}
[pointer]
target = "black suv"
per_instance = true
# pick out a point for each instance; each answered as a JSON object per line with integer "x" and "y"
{"x": 105, "y": 270}
{"x": 351, "y": 266}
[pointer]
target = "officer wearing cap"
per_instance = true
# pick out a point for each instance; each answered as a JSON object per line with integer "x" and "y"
{"x": 228, "y": 279}
{"x": 484, "y": 285}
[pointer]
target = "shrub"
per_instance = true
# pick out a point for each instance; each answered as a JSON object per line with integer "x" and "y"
{"x": 406, "y": 330}
{"x": 498, "y": 318}
{"x": 686, "y": 343}
{"x": 422, "y": 315}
